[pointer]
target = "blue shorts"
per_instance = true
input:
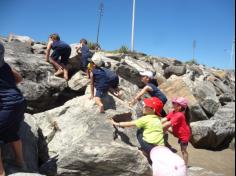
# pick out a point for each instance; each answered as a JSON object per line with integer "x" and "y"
{"x": 10, "y": 120}
{"x": 147, "y": 147}
{"x": 101, "y": 93}
{"x": 63, "y": 53}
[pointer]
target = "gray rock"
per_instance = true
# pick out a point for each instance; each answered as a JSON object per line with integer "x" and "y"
{"x": 87, "y": 144}
{"x": 223, "y": 88}
{"x": 39, "y": 48}
{"x": 197, "y": 171}
{"x": 225, "y": 98}
{"x": 204, "y": 90}
{"x": 210, "y": 106}
{"x": 216, "y": 133}
{"x": 78, "y": 82}
{"x": 197, "y": 113}
{"x": 138, "y": 64}
{"x": 23, "y": 39}
{"x": 174, "y": 70}
{"x": 130, "y": 74}
{"x": 226, "y": 113}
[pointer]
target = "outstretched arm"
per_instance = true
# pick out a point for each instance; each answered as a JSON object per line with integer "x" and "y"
{"x": 17, "y": 76}
{"x": 49, "y": 46}
{"x": 78, "y": 48}
{"x": 140, "y": 94}
{"x": 123, "y": 124}
{"x": 166, "y": 124}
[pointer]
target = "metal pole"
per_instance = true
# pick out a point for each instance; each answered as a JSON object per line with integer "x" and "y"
{"x": 194, "y": 46}
{"x": 233, "y": 53}
{"x": 133, "y": 20}
{"x": 101, "y": 9}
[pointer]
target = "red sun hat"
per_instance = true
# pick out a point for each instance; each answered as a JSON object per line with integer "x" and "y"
{"x": 154, "y": 103}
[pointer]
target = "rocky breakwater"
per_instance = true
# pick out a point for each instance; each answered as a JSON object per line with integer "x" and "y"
{"x": 63, "y": 133}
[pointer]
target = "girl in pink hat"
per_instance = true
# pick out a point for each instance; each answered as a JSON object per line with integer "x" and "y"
{"x": 175, "y": 122}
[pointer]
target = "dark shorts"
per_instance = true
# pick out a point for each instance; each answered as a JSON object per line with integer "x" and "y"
{"x": 183, "y": 143}
{"x": 147, "y": 147}
{"x": 85, "y": 60}
{"x": 10, "y": 120}
{"x": 63, "y": 53}
{"x": 101, "y": 93}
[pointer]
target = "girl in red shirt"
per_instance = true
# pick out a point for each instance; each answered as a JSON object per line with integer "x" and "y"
{"x": 175, "y": 122}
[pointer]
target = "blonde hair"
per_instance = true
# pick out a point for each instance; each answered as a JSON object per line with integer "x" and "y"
{"x": 55, "y": 36}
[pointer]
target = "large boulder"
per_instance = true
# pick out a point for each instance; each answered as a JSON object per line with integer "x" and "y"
{"x": 130, "y": 74}
{"x": 39, "y": 48}
{"x": 216, "y": 133}
{"x": 178, "y": 88}
{"x": 219, "y": 85}
{"x": 79, "y": 81}
{"x": 206, "y": 94}
{"x": 175, "y": 70}
{"x": 138, "y": 64}
{"x": 87, "y": 143}
{"x": 18, "y": 38}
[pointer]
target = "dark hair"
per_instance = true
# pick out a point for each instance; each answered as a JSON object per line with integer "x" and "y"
{"x": 187, "y": 115}
{"x": 83, "y": 41}
{"x": 55, "y": 36}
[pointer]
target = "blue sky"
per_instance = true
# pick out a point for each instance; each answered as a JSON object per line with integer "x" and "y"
{"x": 162, "y": 27}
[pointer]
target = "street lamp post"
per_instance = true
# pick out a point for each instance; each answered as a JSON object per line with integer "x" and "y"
{"x": 232, "y": 53}
{"x": 133, "y": 20}
{"x": 194, "y": 46}
{"x": 101, "y": 10}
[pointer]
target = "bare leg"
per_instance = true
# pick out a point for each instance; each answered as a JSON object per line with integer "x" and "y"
{"x": 58, "y": 72}
{"x": 17, "y": 147}
{"x": 98, "y": 101}
{"x": 55, "y": 64}
{"x": 88, "y": 73}
{"x": 65, "y": 71}
{"x": 1, "y": 165}
{"x": 185, "y": 154}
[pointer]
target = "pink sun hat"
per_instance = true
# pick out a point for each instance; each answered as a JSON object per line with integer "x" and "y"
{"x": 180, "y": 101}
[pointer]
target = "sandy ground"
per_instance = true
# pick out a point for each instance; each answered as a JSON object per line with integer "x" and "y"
{"x": 219, "y": 162}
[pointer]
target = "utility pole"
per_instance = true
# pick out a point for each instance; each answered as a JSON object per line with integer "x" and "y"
{"x": 194, "y": 46}
{"x": 233, "y": 53}
{"x": 101, "y": 10}
{"x": 133, "y": 19}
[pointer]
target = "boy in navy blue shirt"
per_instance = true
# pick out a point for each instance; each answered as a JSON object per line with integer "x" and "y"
{"x": 60, "y": 50}
{"x": 151, "y": 89}
{"x": 99, "y": 80}
{"x": 83, "y": 49}
{"x": 12, "y": 108}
